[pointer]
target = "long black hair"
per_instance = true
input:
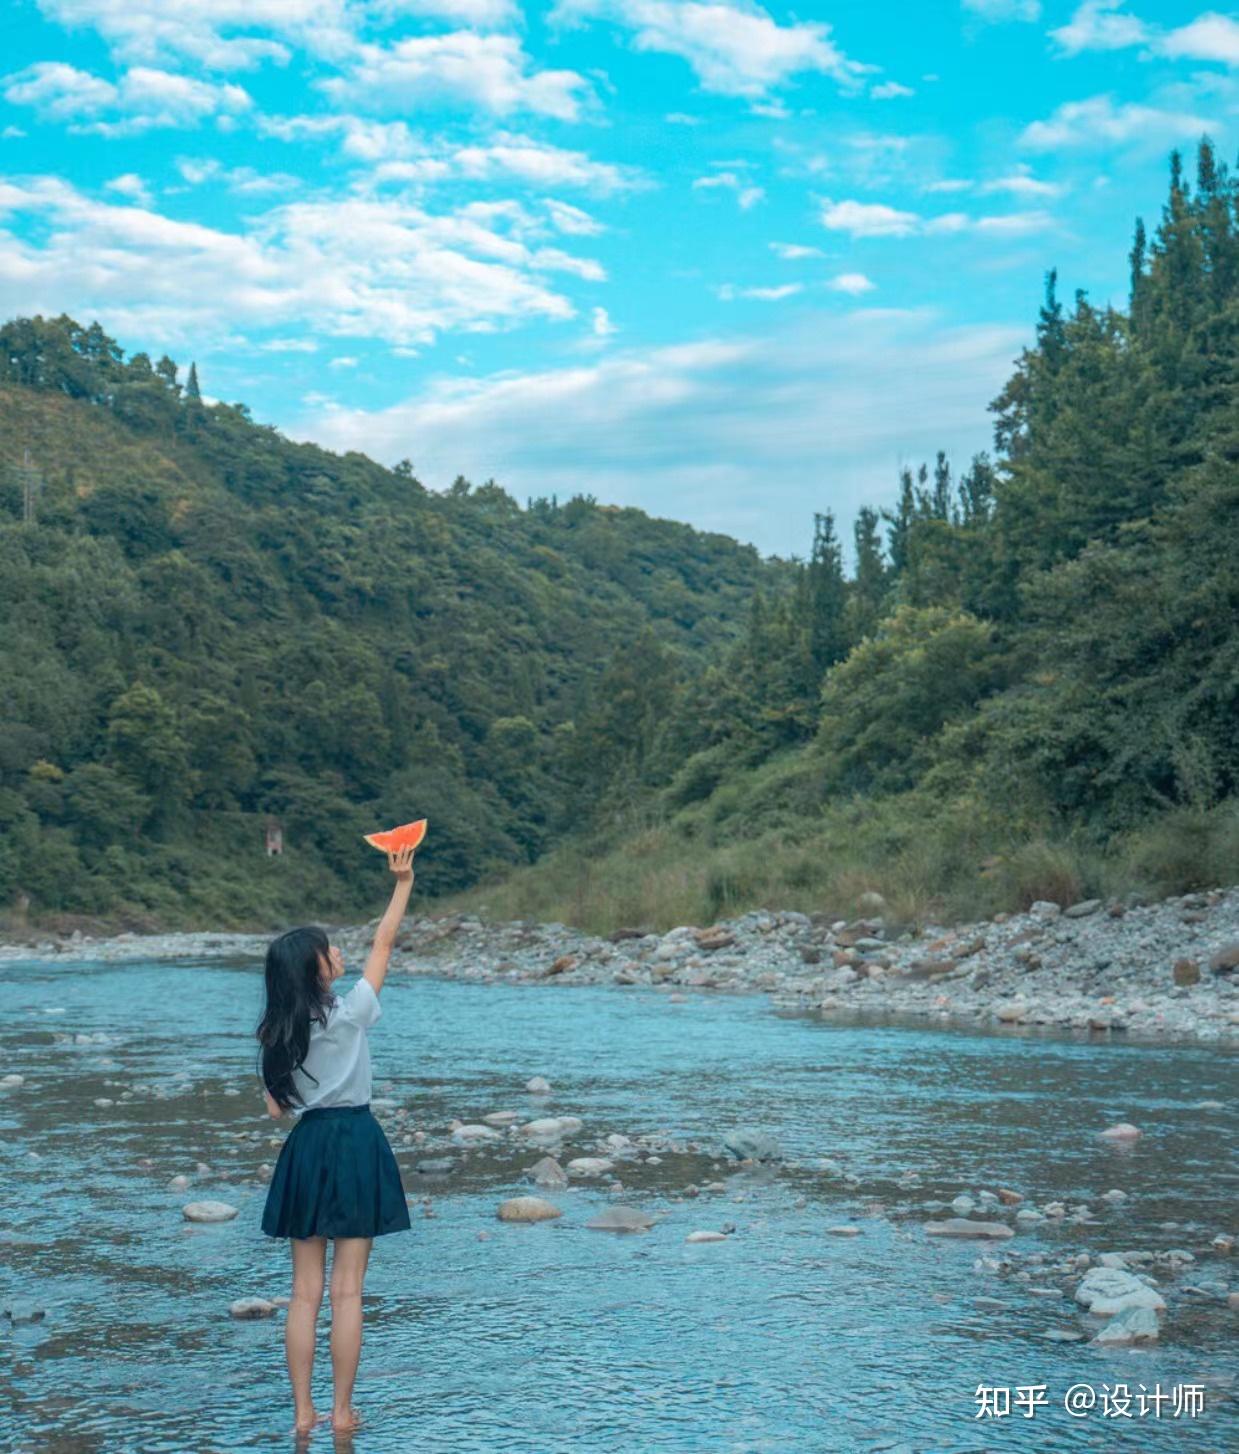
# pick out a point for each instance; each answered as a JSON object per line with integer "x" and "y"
{"x": 295, "y": 996}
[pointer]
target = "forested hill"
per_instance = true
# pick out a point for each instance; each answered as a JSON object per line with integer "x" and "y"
{"x": 207, "y": 626}
{"x": 1029, "y": 685}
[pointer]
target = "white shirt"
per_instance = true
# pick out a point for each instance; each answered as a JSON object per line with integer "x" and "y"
{"x": 339, "y": 1053}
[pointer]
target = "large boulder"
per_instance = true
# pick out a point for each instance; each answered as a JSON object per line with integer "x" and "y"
{"x": 1108, "y": 1291}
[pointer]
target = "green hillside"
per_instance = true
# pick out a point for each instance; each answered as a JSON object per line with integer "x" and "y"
{"x": 207, "y": 626}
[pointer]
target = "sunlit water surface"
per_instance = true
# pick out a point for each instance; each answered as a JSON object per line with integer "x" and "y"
{"x": 553, "y": 1338}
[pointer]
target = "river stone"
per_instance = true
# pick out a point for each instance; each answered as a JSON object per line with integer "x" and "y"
{"x": 13, "y": 1079}
{"x": 472, "y": 1134}
{"x": 746, "y": 1144}
{"x": 208, "y": 1212}
{"x": 844, "y": 1229}
{"x": 435, "y": 1165}
{"x": 963, "y": 1227}
{"x": 501, "y": 1118}
{"x": 1108, "y": 1291}
{"x": 1132, "y": 1325}
{"x": 1124, "y": 1131}
{"x": 1083, "y": 909}
{"x": 23, "y": 1312}
{"x": 538, "y": 1085}
{"x": 548, "y": 1172}
{"x": 252, "y": 1307}
{"x": 1185, "y": 972}
{"x": 527, "y": 1209}
{"x": 706, "y": 1237}
{"x": 1045, "y": 909}
{"x": 621, "y": 1219}
{"x": 546, "y": 1128}
{"x": 589, "y": 1165}
{"x": 1226, "y": 959}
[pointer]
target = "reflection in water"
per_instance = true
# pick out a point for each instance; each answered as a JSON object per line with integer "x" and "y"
{"x": 552, "y": 1338}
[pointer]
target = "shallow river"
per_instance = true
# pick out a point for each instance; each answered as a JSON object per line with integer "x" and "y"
{"x": 554, "y": 1339}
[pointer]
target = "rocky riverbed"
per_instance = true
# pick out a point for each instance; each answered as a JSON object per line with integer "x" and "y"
{"x": 1165, "y": 969}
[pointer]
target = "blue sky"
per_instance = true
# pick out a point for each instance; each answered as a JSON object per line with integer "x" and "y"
{"x": 728, "y": 262}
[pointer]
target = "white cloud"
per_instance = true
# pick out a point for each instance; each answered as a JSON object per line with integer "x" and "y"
{"x": 889, "y": 91}
{"x": 243, "y": 180}
{"x": 852, "y": 283}
{"x": 747, "y": 194}
{"x": 149, "y": 31}
{"x": 130, "y": 185}
{"x": 1098, "y": 121}
{"x": 736, "y": 49}
{"x": 728, "y": 291}
{"x": 794, "y": 251}
{"x": 996, "y": 10}
{"x": 1015, "y": 224}
{"x": 491, "y": 72}
{"x": 289, "y": 345}
{"x": 1021, "y": 183}
{"x": 1210, "y": 37}
{"x": 733, "y": 434}
{"x": 572, "y": 220}
{"x": 142, "y": 99}
{"x": 343, "y": 362}
{"x": 346, "y": 267}
{"x": 876, "y": 219}
{"x": 1099, "y": 25}
{"x": 403, "y": 156}
{"x": 868, "y": 219}
{"x": 479, "y": 13}
{"x": 602, "y": 325}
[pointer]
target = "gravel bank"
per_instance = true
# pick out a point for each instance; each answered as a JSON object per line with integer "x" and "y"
{"x": 1164, "y": 970}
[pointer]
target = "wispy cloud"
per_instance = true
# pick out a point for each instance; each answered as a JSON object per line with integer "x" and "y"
{"x": 142, "y": 99}
{"x": 738, "y": 431}
{"x": 350, "y": 267}
{"x": 1101, "y": 120}
{"x": 737, "y": 49}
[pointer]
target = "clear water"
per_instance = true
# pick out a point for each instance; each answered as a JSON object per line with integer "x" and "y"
{"x": 553, "y": 1338}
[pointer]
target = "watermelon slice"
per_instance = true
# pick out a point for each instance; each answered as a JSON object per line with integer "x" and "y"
{"x": 408, "y": 835}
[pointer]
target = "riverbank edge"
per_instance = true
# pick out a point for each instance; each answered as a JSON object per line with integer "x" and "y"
{"x": 1164, "y": 971}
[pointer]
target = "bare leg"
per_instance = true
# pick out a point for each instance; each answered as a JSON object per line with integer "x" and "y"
{"x": 348, "y": 1272}
{"x": 309, "y": 1258}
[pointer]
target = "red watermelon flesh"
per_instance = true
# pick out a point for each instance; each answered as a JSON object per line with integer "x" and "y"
{"x": 408, "y": 835}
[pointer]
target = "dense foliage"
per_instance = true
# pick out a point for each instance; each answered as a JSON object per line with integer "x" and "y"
{"x": 207, "y": 625}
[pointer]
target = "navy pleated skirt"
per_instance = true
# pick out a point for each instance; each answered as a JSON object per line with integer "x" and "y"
{"x": 336, "y": 1176}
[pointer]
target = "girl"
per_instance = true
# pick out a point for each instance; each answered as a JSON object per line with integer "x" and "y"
{"x": 336, "y": 1175}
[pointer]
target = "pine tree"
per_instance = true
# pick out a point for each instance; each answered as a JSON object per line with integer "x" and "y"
{"x": 192, "y": 391}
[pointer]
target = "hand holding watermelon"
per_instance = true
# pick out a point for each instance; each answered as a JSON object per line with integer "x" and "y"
{"x": 399, "y": 844}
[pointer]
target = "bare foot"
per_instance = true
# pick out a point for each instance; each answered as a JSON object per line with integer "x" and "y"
{"x": 345, "y": 1422}
{"x": 305, "y": 1422}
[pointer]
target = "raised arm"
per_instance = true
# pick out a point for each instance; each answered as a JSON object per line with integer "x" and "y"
{"x": 401, "y": 864}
